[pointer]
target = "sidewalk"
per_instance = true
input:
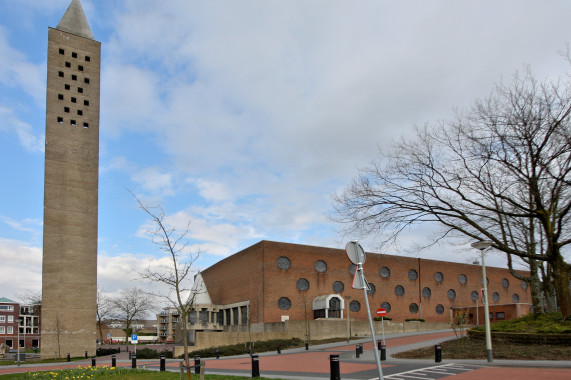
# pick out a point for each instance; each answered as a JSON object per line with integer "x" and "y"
{"x": 314, "y": 363}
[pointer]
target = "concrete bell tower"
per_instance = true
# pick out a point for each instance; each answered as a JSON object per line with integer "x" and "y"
{"x": 69, "y": 282}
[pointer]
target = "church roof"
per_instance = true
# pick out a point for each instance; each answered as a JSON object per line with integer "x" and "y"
{"x": 74, "y": 21}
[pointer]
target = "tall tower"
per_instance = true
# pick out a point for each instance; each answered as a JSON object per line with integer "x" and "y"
{"x": 69, "y": 283}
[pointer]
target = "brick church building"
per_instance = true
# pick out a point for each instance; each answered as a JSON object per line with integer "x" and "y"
{"x": 273, "y": 282}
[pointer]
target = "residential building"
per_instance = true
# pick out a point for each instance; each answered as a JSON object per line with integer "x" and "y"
{"x": 25, "y": 318}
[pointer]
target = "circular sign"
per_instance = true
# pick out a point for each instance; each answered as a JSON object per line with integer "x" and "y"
{"x": 355, "y": 253}
{"x": 381, "y": 312}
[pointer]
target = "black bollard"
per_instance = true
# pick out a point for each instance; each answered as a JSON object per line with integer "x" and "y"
{"x": 98, "y": 352}
{"x": 361, "y": 348}
{"x": 197, "y": 364}
{"x": 93, "y": 361}
{"x": 357, "y": 351}
{"x": 438, "y": 353}
{"x": 255, "y": 366}
{"x": 250, "y": 351}
{"x": 306, "y": 346}
{"x": 119, "y": 349}
{"x": 334, "y": 367}
{"x": 379, "y": 344}
{"x": 217, "y": 354}
{"x": 279, "y": 349}
{"x": 383, "y": 352}
{"x": 68, "y": 358}
{"x": 134, "y": 361}
{"x": 162, "y": 366}
{"x": 113, "y": 361}
{"x": 130, "y": 354}
{"x": 86, "y": 354}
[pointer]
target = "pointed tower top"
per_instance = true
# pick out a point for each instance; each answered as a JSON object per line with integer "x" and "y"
{"x": 74, "y": 21}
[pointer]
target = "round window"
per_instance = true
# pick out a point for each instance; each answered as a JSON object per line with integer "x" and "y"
{"x": 338, "y": 287}
{"x": 451, "y": 294}
{"x": 386, "y": 306}
{"x": 438, "y": 277}
{"x": 505, "y": 283}
{"x": 399, "y": 290}
{"x": 385, "y": 272}
{"x": 515, "y": 298}
{"x": 355, "y": 306}
{"x": 413, "y": 308}
{"x": 524, "y": 285}
{"x": 372, "y": 289}
{"x": 439, "y": 309}
{"x": 320, "y": 266}
{"x": 284, "y": 263}
{"x": 496, "y": 297}
{"x": 462, "y": 279}
{"x": 412, "y": 274}
{"x": 352, "y": 269}
{"x": 302, "y": 284}
{"x": 426, "y": 292}
{"x": 284, "y": 303}
{"x": 474, "y": 295}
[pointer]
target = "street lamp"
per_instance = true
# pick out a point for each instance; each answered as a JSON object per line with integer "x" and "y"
{"x": 482, "y": 246}
{"x": 19, "y": 320}
{"x": 348, "y": 323}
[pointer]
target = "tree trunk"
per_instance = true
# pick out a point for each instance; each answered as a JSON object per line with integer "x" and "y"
{"x": 535, "y": 288}
{"x": 562, "y": 285}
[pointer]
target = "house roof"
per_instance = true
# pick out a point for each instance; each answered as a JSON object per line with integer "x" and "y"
{"x": 6, "y": 300}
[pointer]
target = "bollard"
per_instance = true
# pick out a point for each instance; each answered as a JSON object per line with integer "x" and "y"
{"x": 86, "y": 354}
{"x": 334, "y": 367}
{"x": 68, "y": 358}
{"x": 130, "y": 354}
{"x": 379, "y": 344}
{"x": 438, "y": 353}
{"x": 217, "y": 354}
{"x": 134, "y": 361}
{"x": 98, "y": 352}
{"x": 306, "y": 346}
{"x": 250, "y": 351}
{"x": 93, "y": 361}
{"x": 197, "y": 364}
{"x": 255, "y": 366}
{"x": 119, "y": 349}
{"x": 361, "y": 348}
{"x": 162, "y": 366}
{"x": 279, "y": 349}
{"x": 383, "y": 352}
{"x": 357, "y": 351}
{"x": 113, "y": 361}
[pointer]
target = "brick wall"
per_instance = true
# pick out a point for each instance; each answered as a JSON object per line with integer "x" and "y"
{"x": 268, "y": 283}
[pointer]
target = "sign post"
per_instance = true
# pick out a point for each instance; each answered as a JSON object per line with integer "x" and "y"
{"x": 356, "y": 255}
{"x": 381, "y": 312}
{"x": 135, "y": 340}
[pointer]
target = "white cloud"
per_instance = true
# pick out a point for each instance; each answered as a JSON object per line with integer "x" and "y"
{"x": 153, "y": 180}
{"x": 21, "y": 268}
{"x": 10, "y": 123}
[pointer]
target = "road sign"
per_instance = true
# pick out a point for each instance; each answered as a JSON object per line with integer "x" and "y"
{"x": 134, "y": 338}
{"x": 355, "y": 252}
{"x": 381, "y": 312}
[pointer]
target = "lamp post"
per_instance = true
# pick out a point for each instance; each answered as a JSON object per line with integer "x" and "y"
{"x": 483, "y": 246}
{"x": 348, "y": 325}
{"x": 19, "y": 320}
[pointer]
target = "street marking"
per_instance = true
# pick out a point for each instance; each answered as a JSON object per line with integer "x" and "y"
{"x": 443, "y": 370}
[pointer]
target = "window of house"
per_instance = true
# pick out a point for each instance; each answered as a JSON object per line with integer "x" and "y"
{"x": 10, "y": 330}
{"x": 320, "y": 266}
{"x": 439, "y": 309}
{"x": 204, "y": 316}
{"x": 228, "y": 317}
{"x": 73, "y": 100}
{"x": 10, "y": 318}
{"x": 462, "y": 279}
{"x": 385, "y": 272}
{"x": 73, "y": 123}
{"x": 79, "y": 112}
{"x": 426, "y": 292}
{"x": 85, "y": 125}
{"x": 451, "y": 294}
{"x": 386, "y": 306}
{"x": 86, "y": 102}
{"x": 338, "y": 287}
{"x": 334, "y": 308}
{"x": 67, "y": 64}
{"x": 86, "y": 80}
{"x": 500, "y": 315}
{"x": 244, "y": 314}
{"x": 2, "y": 330}
{"x": 66, "y": 109}
{"x": 60, "y": 74}
{"x": 67, "y": 86}
{"x": 74, "y": 54}
{"x": 355, "y": 306}
{"x": 302, "y": 284}
{"x": 284, "y": 303}
{"x": 80, "y": 90}
{"x": 235, "y": 316}
{"x": 220, "y": 318}
{"x": 80, "y": 68}
{"x": 60, "y": 119}
{"x": 2, "y": 318}
{"x": 60, "y": 96}
{"x": 61, "y": 51}
{"x": 74, "y": 77}
{"x": 438, "y": 277}
{"x": 399, "y": 290}
{"x": 412, "y": 274}
{"x": 372, "y": 289}
{"x": 413, "y": 308}
{"x": 87, "y": 58}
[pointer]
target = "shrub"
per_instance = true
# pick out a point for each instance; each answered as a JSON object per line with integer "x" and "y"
{"x": 414, "y": 320}
{"x": 381, "y": 318}
{"x": 107, "y": 351}
{"x": 149, "y": 353}
{"x": 244, "y": 348}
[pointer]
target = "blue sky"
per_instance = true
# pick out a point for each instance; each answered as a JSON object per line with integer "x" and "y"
{"x": 245, "y": 116}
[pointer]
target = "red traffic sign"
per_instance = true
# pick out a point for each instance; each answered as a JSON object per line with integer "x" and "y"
{"x": 381, "y": 312}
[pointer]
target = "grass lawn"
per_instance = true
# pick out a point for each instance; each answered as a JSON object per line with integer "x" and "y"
{"x": 466, "y": 348}
{"x": 123, "y": 374}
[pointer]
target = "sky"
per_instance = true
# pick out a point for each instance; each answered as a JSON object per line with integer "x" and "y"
{"x": 244, "y": 117}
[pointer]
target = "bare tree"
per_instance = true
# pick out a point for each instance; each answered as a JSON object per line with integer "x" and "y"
{"x": 500, "y": 171}
{"x": 132, "y": 304}
{"x": 104, "y": 310}
{"x": 177, "y": 275}
{"x": 31, "y": 297}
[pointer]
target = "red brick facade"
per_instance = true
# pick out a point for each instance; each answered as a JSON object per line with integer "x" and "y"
{"x": 268, "y": 272}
